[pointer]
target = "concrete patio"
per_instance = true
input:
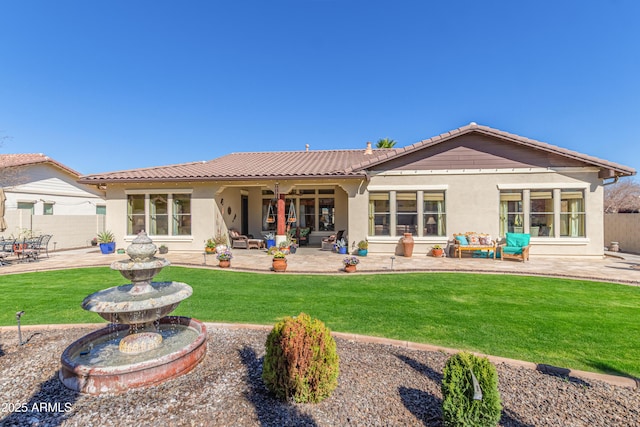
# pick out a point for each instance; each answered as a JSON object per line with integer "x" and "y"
{"x": 613, "y": 267}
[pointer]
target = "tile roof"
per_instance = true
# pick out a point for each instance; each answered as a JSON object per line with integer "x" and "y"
{"x": 17, "y": 160}
{"x": 320, "y": 163}
{"x": 250, "y": 165}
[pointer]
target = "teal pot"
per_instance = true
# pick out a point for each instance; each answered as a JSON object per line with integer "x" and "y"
{"x": 362, "y": 252}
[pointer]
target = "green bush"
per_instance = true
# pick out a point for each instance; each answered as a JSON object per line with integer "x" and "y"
{"x": 301, "y": 360}
{"x": 459, "y": 408}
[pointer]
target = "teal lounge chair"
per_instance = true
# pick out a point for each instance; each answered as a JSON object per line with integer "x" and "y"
{"x": 516, "y": 246}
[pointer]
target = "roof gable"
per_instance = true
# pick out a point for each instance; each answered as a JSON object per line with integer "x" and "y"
{"x": 475, "y": 147}
{"x": 18, "y": 160}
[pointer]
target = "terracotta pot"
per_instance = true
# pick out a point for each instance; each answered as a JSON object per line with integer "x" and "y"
{"x": 437, "y": 252}
{"x": 407, "y": 244}
{"x": 350, "y": 268}
{"x": 209, "y": 250}
{"x": 224, "y": 263}
{"x": 279, "y": 264}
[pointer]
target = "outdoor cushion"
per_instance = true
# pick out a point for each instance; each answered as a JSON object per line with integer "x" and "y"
{"x": 486, "y": 240}
{"x": 462, "y": 240}
{"x": 474, "y": 240}
{"x": 513, "y": 250}
{"x": 517, "y": 239}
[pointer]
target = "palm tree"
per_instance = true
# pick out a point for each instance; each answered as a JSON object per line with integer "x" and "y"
{"x": 385, "y": 143}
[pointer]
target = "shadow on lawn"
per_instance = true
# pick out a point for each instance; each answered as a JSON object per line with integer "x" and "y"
{"x": 611, "y": 371}
{"x": 270, "y": 411}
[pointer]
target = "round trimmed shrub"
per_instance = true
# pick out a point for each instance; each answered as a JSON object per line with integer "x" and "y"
{"x": 301, "y": 360}
{"x": 459, "y": 408}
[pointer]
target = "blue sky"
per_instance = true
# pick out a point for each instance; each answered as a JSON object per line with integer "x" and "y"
{"x": 109, "y": 85}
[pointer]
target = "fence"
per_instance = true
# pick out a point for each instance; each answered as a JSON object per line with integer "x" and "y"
{"x": 69, "y": 231}
{"x": 623, "y": 228}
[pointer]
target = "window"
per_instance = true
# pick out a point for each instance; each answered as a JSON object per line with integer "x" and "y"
{"x": 327, "y": 214}
{"x": 547, "y": 216}
{"x": 47, "y": 208}
{"x": 541, "y": 215}
{"x": 434, "y": 214}
{"x": 135, "y": 213}
{"x": 27, "y": 206}
{"x": 406, "y": 213}
{"x": 307, "y": 213}
{"x": 314, "y": 208}
{"x": 379, "y": 214}
{"x": 572, "y": 213}
{"x": 511, "y": 212}
{"x": 101, "y": 209}
{"x": 159, "y": 214}
{"x": 181, "y": 214}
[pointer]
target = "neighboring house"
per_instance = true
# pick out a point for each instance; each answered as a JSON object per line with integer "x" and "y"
{"x": 43, "y": 196}
{"x": 474, "y": 178}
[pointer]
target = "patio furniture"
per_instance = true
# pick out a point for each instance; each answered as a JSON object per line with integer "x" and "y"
{"x": 42, "y": 245}
{"x": 255, "y": 243}
{"x": 472, "y": 242}
{"x": 328, "y": 243}
{"x": 238, "y": 240}
{"x": 25, "y": 250}
{"x": 516, "y": 246}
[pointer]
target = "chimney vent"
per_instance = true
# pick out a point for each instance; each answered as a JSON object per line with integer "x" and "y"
{"x": 306, "y": 147}
{"x": 368, "y": 150}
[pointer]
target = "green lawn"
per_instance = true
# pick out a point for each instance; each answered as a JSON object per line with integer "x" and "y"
{"x": 575, "y": 324}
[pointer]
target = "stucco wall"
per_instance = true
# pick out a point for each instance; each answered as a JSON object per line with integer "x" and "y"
{"x": 623, "y": 228}
{"x": 472, "y": 204}
{"x": 69, "y": 231}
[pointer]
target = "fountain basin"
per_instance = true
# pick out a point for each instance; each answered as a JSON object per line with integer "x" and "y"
{"x": 119, "y": 305}
{"x": 81, "y": 374}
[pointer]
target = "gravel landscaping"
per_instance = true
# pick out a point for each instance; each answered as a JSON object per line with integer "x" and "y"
{"x": 379, "y": 385}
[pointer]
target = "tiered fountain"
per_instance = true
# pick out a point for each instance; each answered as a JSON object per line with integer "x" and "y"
{"x": 141, "y": 347}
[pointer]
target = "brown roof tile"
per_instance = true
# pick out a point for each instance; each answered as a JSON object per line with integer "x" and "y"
{"x": 319, "y": 163}
{"x": 17, "y": 160}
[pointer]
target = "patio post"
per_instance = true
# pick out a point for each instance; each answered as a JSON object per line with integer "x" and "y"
{"x": 280, "y": 229}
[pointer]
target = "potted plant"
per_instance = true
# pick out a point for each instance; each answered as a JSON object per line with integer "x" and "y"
{"x": 163, "y": 249}
{"x": 279, "y": 261}
{"x": 210, "y": 246}
{"x": 341, "y": 246}
{"x": 221, "y": 242}
{"x": 224, "y": 258}
{"x": 270, "y": 239}
{"x": 350, "y": 263}
{"x": 285, "y": 246}
{"x": 363, "y": 247}
{"x": 437, "y": 251}
{"x": 106, "y": 239}
{"x": 94, "y": 241}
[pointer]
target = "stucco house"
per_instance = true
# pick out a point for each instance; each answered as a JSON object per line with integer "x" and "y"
{"x": 43, "y": 196}
{"x": 474, "y": 178}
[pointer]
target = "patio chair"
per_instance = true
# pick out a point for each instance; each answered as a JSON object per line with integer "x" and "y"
{"x": 238, "y": 240}
{"x": 25, "y": 250}
{"x": 516, "y": 246}
{"x": 329, "y": 242}
{"x": 42, "y": 245}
